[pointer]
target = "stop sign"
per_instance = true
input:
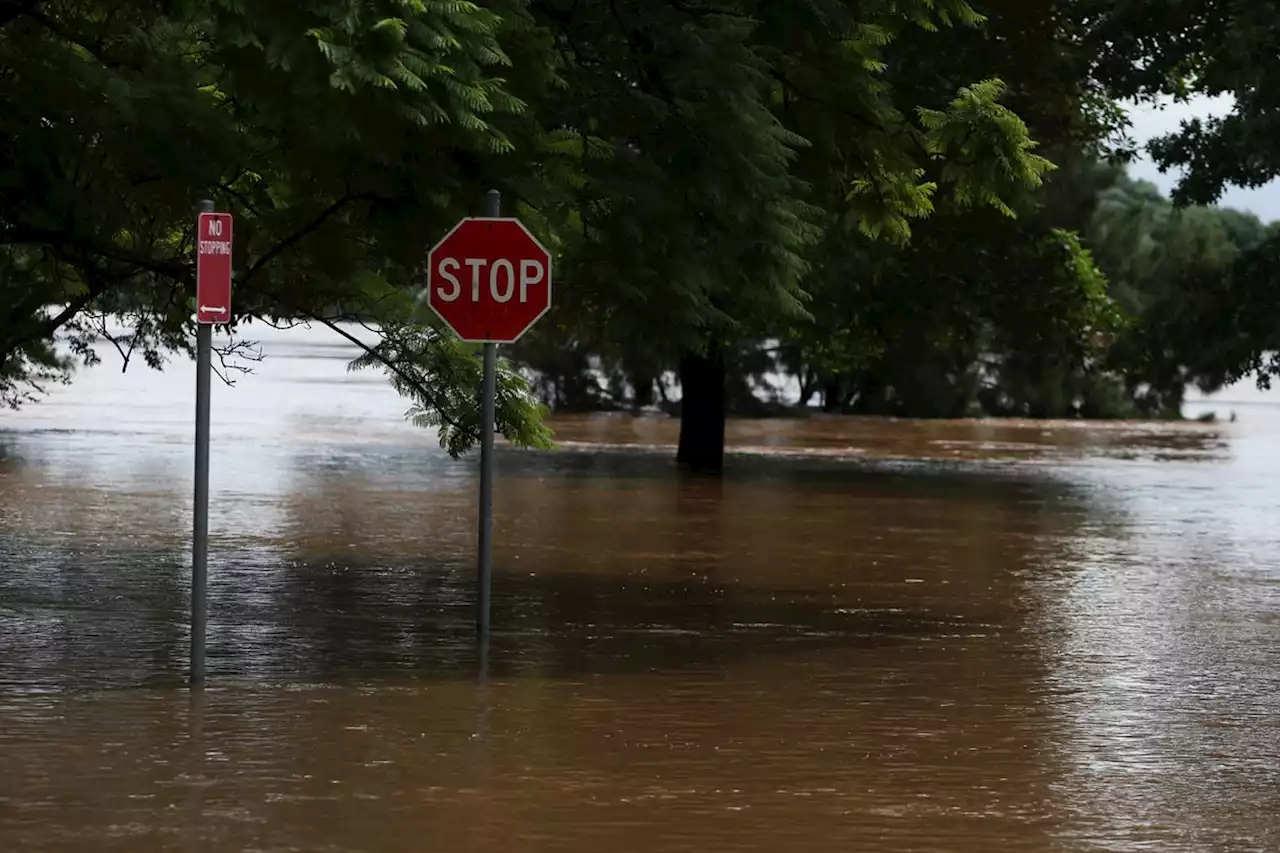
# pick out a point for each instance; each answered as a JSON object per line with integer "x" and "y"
{"x": 489, "y": 279}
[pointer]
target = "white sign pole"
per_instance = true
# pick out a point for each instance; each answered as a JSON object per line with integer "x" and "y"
{"x": 484, "y": 579}
{"x": 200, "y": 533}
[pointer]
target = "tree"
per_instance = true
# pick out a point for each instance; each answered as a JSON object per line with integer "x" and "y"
{"x": 979, "y": 314}
{"x": 1170, "y": 269}
{"x": 1184, "y": 48}
{"x": 722, "y": 142}
{"x": 344, "y": 138}
{"x": 912, "y": 330}
{"x": 690, "y": 164}
{"x": 689, "y": 221}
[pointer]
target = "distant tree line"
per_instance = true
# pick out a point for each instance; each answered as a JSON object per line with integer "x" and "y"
{"x": 922, "y": 336}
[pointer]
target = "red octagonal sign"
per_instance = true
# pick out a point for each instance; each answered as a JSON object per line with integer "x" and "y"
{"x": 489, "y": 279}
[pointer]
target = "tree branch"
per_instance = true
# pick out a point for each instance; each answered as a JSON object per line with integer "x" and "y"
{"x": 19, "y": 236}
{"x": 97, "y": 287}
{"x": 239, "y": 196}
{"x": 62, "y": 33}
{"x": 247, "y": 350}
{"x": 301, "y": 234}
{"x": 100, "y": 327}
{"x": 99, "y": 279}
{"x": 428, "y": 396}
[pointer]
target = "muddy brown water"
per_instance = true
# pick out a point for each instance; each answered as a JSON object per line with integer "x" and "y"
{"x": 871, "y": 635}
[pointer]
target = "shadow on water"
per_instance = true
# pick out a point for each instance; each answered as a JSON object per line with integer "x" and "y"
{"x": 365, "y": 622}
{"x": 608, "y": 562}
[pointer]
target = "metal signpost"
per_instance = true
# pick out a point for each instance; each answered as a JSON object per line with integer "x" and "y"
{"x": 213, "y": 305}
{"x": 489, "y": 280}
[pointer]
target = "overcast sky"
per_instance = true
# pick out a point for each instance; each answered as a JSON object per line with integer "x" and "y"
{"x": 1149, "y": 122}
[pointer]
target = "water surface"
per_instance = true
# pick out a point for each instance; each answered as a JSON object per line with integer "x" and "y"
{"x": 871, "y": 635}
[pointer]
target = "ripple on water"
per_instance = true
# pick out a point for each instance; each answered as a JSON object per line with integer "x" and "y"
{"x": 870, "y": 635}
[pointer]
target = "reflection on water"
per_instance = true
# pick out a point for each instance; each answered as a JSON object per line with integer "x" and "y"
{"x": 872, "y": 635}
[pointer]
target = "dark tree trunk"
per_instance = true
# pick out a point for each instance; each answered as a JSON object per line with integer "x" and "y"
{"x": 808, "y": 387}
{"x": 832, "y": 396}
{"x": 577, "y": 390}
{"x": 702, "y": 412}
{"x": 643, "y": 389}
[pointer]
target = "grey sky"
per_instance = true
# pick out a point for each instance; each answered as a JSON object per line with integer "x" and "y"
{"x": 1150, "y": 121}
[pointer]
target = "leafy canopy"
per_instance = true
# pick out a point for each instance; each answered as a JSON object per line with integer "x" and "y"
{"x": 719, "y": 144}
{"x": 686, "y": 162}
{"x": 338, "y": 134}
{"x": 1177, "y": 49}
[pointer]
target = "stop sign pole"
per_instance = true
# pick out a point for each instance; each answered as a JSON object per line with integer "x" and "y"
{"x": 488, "y": 403}
{"x": 489, "y": 280}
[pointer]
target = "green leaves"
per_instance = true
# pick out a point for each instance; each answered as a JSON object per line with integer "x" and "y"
{"x": 986, "y": 152}
{"x": 694, "y": 169}
{"x": 1184, "y": 48}
{"x": 1206, "y": 283}
{"x": 442, "y": 376}
{"x": 435, "y": 55}
{"x": 332, "y": 131}
{"x": 1190, "y": 279}
{"x": 883, "y": 206}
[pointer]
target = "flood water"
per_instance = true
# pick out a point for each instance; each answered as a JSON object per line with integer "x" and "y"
{"x": 871, "y": 635}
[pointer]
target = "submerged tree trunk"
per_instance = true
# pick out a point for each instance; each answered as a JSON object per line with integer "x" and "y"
{"x": 642, "y": 390}
{"x": 832, "y": 395}
{"x": 702, "y": 412}
{"x": 808, "y": 387}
